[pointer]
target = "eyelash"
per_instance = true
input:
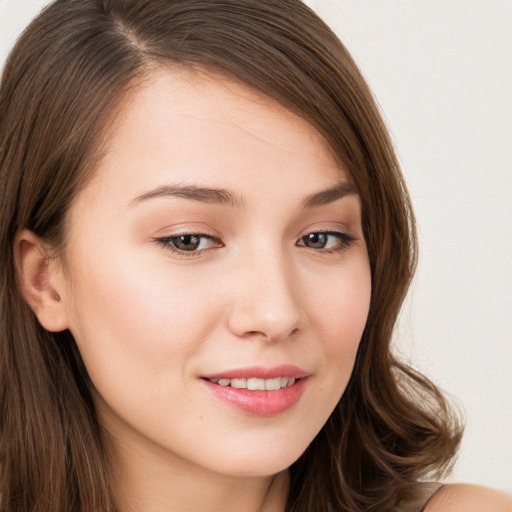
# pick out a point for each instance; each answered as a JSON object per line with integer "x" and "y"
{"x": 344, "y": 239}
{"x": 167, "y": 243}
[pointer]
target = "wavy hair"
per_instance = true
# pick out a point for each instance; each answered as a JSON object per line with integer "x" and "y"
{"x": 61, "y": 85}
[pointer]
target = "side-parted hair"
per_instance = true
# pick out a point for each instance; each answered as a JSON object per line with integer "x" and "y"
{"x": 62, "y": 84}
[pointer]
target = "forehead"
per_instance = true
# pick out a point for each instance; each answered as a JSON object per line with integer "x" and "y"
{"x": 205, "y": 129}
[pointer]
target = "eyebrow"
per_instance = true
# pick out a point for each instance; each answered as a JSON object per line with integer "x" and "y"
{"x": 222, "y": 196}
{"x": 201, "y": 194}
{"x": 329, "y": 195}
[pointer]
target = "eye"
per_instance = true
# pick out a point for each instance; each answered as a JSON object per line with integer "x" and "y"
{"x": 188, "y": 244}
{"x": 327, "y": 241}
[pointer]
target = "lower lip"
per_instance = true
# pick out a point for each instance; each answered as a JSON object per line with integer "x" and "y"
{"x": 259, "y": 403}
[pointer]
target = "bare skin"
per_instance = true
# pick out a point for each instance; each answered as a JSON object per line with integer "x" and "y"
{"x": 151, "y": 322}
{"x": 220, "y": 236}
{"x": 469, "y": 498}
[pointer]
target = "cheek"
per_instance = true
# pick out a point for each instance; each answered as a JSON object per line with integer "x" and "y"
{"x": 131, "y": 318}
{"x": 340, "y": 314}
{"x": 342, "y": 306}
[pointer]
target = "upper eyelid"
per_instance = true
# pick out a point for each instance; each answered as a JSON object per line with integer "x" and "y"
{"x": 167, "y": 235}
{"x": 164, "y": 240}
{"x": 192, "y": 232}
{"x": 328, "y": 231}
{"x": 187, "y": 233}
{"x": 344, "y": 236}
{"x": 345, "y": 231}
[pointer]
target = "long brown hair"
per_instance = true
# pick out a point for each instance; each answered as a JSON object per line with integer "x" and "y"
{"x": 62, "y": 82}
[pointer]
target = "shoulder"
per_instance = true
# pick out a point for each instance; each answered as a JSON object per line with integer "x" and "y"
{"x": 469, "y": 498}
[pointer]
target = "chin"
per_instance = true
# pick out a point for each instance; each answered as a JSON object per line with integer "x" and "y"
{"x": 272, "y": 459}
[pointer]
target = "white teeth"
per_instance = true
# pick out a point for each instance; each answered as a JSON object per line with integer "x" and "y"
{"x": 255, "y": 384}
{"x": 239, "y": 383}
{"x": 273, "y": 384}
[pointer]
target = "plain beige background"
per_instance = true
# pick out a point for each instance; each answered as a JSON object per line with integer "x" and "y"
{"x": 442, "y": 72}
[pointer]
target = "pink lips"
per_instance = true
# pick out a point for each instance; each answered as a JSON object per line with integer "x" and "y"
{"x": 261, "y": 372}
{"x": 259, "y": 402}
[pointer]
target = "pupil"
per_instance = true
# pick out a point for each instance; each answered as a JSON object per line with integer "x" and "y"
{"x": 316, "y": 240}
{"x": 187, "y": 242}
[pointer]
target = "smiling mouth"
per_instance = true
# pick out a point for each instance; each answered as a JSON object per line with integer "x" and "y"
{"x": 256, "y": 384}
{"x": 262, "y": 391}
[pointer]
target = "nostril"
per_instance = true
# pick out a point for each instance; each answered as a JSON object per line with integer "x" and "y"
{"x": 269, "y": 338}
{"x": 252, "y": 334}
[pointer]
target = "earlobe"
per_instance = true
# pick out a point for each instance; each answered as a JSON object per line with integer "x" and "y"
{"x": 40, "y": 281}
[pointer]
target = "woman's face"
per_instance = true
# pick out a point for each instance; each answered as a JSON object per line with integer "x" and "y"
{"x": 218, "y": 248}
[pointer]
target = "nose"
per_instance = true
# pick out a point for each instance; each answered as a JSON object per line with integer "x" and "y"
{"x": 265, "y": 300}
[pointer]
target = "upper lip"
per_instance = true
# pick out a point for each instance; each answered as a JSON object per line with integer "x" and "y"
{"x": 261, "y": 372}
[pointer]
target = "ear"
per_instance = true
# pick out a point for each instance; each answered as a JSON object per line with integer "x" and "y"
{"x": 41, "y": 281}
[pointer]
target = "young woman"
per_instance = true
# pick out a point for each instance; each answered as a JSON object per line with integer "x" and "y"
{"x": 205, "y": 242}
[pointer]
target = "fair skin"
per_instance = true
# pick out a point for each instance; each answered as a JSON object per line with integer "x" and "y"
{"x": 278, "y": 276}
{"x": 269, "y": 271}
{"x": 469, "y": 498}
